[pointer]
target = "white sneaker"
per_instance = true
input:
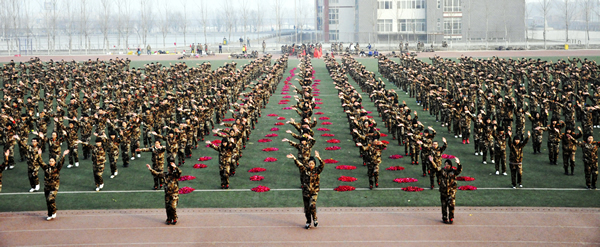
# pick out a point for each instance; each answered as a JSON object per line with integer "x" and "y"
{"x": 455, "y": 136}
{"x": 480, "y": 153}
{"x": 520, "y": 186}
{"x": 139, "y": 155}
{"x": 54, "y": 216}
{"x": 484, "y": 162}
{"x": 514, "y": 187}
{"x": 11, "y": 167}
{"x": 132, "y": 158}
{"x": 49, "y": 218}
{"x": 459, "y": 135}
{"x": 69, "y": 166}
{"x": 476, "y": 153}
{"x": 31, "y": 190}
{"x": 504, "y": 173}
{"x": 101, "y": 186}
{"x": 76, "y": 164}
{"x": 97, "y": 189}
{"x": 112, "y": 176}
{"x": 497, "y": 173}
{"x": 116, "y": 173}
{"x": 37, "y": 187}
{"x": 493, "y": 162}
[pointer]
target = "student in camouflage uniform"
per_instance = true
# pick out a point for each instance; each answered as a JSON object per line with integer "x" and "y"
{"x": 158, "y": 161}
{"x": 516, "y": 158}
{"x": 33, "y": 162}
{"x": 311, "y": 186}
{"x": 590, "y": 160}
{"x": 171, "y": 190}
{"x": 226, "y": 156}
{"x": 569, "y": 148}
{"x": 373, "y": 154}
{"x": 447, "y": 178}
{"x": 500, "y": 150}
{"x": 435, "y": 165}
{"x": 51, "y": 180}
{"x": 71, "y": 134}
{"x": 98, "y": 159}
{"x": 3, "y": 166}
{"x": 426, "y": 145}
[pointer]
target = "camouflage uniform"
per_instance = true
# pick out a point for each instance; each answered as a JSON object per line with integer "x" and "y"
{"x": 171, "y": 192}
{"x": 516, "y": 160}
{"x": 436, "y": 166}
{"x": 373, "y": 153}
{"x": 500, "y": 151}
{"x": 98, "y": 159}
{"x": 569, "y": 150}
{"x": 310, "y": 189}
{"x": 226, "y": 156}
{"x": 158, "y": 163}
{"x": 447, "y": 178}
{"x": 590, "y": 161}
{"x": 51, "y": 182}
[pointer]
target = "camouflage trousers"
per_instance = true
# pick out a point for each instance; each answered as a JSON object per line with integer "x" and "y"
{"x": 50, "y": 193}
{"x": 112, "y": 159}
{"x": 310, "y": 206}
{"x": 373, "y": 173}
{"x": 553, "y": 152}
{"x": 415, "y": 150}
{"x": 86, "y": 150}
{"x": 159, "y": 180}
{"x": 73, "y": 155}
{"x": 1, "y": 180}
{"x": 147, "y": 137}
{"x": 591, "y": 174}
{"x": 448, "y": 203}
{"x": 32, "y": 173}
{"x": 171, "y": 201}
{"x": 500, "y": 159}
{"x": 425, "y": 162}
{"x": 516, "y": 173}
{"x": 466, "y": 132}
{"x": 537, "y": 143}
{"x": 224, "y": 172}
{"x": 125, "y": 153}
{"x": 569, "y": 159}
{"x": 98, "y": 170}
{"x": 135, "y": 144}
{"x": 485, "y": 147}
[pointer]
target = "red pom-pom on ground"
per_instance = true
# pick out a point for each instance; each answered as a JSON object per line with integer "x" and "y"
{"x": 326, "y": 123}
{"x": 270, "y": 159}
{"x": 346, "y": 179}
{"x": 256, "y": 178}
{"x": 323, "y": 118}
{"x": 186, "y": 190}
{"x": 330, "y": 161}
{"x": 447, "y": 156}
{"x": 385, "y": 142}
{"x": 342, "y": 188}
{"x": 272, "y": 115}
{"x": 332, "y": 148}
{"x": 345, "y": 167}
{"x": 279, "y": 123}
{"x": 186, "y": 178}
{"x": 274, "y": 129}
{"x": 463, "y": 178}
{"x": 200, "y": 166}
{"x": 323, "y": 129}
{"x": 228, "y": 120}
{"x": 395, "y": 168}
{"x": 280, "y": 118}
{"x": 467, "y": 187}
{"x": 261, "y": 188}
{"x": 272, "y": 135}
{"x": 396, "y": 156}
{"x": 327, "y": 135}
{"x": 319, "y": 113}
{"x": 405, "y": 180}
{"x": 265, "y": 140}
{"x": 333, "y": 141}
{"x": 412, "y": 189}
{"x": 383, "y": 135}
{"x": 257, "y": 169}
{"x": 205, "y": 158}
{"x": 270, "y": 149}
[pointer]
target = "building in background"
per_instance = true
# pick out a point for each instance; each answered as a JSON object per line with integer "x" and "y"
{"x": 421, "y": 20}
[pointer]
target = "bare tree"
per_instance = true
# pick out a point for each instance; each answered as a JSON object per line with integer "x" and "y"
{"x": 120, "y": 21}
{"x": 278, "y": 18}
{"x": 245, "y": 16}
{"x": 229, "y": 16}
{"x": 83, "y": 26}
{"x": 70, "y": 21}
{"x": 545, "y": 7}
{"x": 487, "y": 21}
{"x": 204, "y": 18}
{"x": 184, "y": 20}
{"x": 164, "y": 23}
{"x": 4, "y": 23}
{"x": 588, "y": 5}
{"x": 259, "y": 19}
{"x": 105, "y": 23}
{"x": 13, "y": 14}
{"x": 28, "y": 22}
{"x": 126, "y": 21}
{"x": 145, "y": 20}
{"x": 568, "y": 11}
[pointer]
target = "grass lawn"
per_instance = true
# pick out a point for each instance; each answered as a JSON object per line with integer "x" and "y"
{"x": 131, "y": 188}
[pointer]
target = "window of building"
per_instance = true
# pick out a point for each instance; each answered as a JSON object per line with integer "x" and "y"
{"x": 384, "y": 25}
{"x": 412, "y": 25}
{"x": 439, "y": 4}
{"x": 452, "y": 6}
{"x": 384, "y": 4}
{"x": 439, "y": 25}
{"x": 334, "y": 16}
{"x": 334, "y": 1}
{"x": 411, "y": 4}
{"x": 334, "y": 34}
{"x": 452, "y": 26}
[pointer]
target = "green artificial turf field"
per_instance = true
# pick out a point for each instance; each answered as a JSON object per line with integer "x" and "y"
{"x": 132, "y": 187}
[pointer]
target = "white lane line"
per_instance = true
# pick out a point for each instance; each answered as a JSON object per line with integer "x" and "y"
{"x": 333, "y": 226}
{"x": 288, "y": 189}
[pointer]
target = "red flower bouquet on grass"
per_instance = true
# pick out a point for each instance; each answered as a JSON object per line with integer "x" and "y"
{"x": 323, "y": 118}
{"x": 287, "y": 108}
{"x": 405, "y": 180}
{"x": 326, "y": 123}
{"x": 368, "y": 116}
{"x": 316, "y": 82}
{"x": 186, "y": 190}
{"x": 327, "y": 135}
{"x": 344, "y": 167}
{"x": 330, "y": 161}
{"x": 274, "y": 129}
{"x": 463, "y": 178}
{"x": 317, "y": 107}
{"x": 385, "y": 142}
{"x": 343, "y": 188}
{"x": 287, "y": 97}
{"x": 383, "y": 135}
{"x": 186, "y": 178}
{"x": 272, "y": 135}
{"x": 257, "y": 169}
{"x": 447, "y": 156}
{"x": 265, "y": 140}
{"x": 319, "y": 113}
{"x": 272, "y": 115}
{"x": 396, "y": 156}
{"x": 270, "y": 159}
{"x": 270, "y": 149}
{"x": 285, "y": 93}
{"x": 204, "y": 158}
{"x": 280, "y": 118}
{"x": 318, "y": 102}
{"x": 279, "y": 124}
{"x": 333, "y": 141}
{"x": 323, "y": 129}
{"x": 412, "y": 189}
{"x": 261, "y": 188}
{"x": 395, "y": 168}
{"x": 200, "y": 166}
{"x": 467, "y": 187}
{"x": 256, "y": 178}
{"x": 333, "y": 148}
{"x": 369, "y": 112}
{"x": 347, "y": 179}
